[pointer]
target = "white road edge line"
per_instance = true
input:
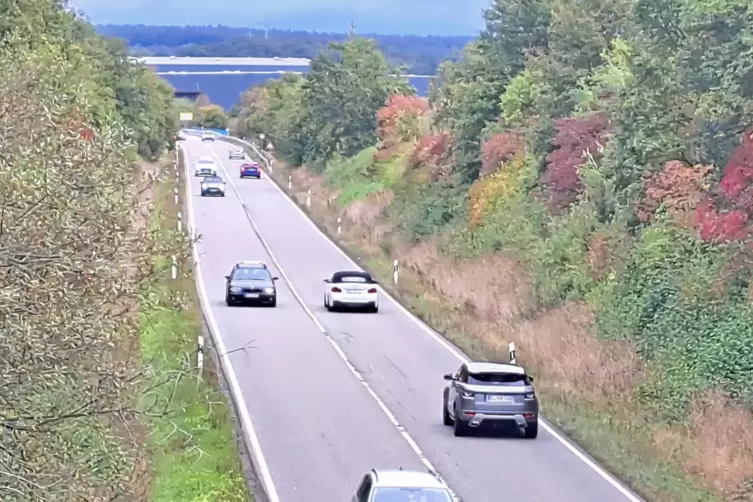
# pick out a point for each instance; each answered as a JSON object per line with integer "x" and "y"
{"x": 252, "y": 440}
{"x": 444, "y": 343}
{"x": 392, "y": 418}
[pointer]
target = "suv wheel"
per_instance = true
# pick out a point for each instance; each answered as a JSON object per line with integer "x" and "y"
{"x": 446, "y": 418}
{"x": 459, "y": 427}
{"x": 532, "y": 430}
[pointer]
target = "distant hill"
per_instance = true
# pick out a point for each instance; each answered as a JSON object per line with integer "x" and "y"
{"x": 421, "y": 54}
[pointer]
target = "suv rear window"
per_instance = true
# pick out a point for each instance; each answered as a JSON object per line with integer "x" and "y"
{"x": 506, "y": 379}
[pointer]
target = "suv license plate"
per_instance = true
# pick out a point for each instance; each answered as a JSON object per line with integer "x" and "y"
{"x": 500, "y": 399}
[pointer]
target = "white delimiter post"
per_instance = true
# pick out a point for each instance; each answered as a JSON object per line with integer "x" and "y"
{"x": 511, "y": 350}
{"x": 395, "y": 267}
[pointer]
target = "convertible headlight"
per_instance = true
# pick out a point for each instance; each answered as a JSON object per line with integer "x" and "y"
{"x": 269, "y": 290}
{"x": 235, "y": 290}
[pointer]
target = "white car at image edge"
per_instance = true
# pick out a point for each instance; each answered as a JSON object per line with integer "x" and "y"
{"x": 351, "y": 290}
{"x": 388, "y": 485}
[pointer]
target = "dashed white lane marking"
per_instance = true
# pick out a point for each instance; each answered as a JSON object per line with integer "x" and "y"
{"x": 454, "y": 351}
{"x": 392, "y": 418}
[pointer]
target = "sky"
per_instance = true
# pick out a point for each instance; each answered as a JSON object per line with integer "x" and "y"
{"x": 420, "y": 17}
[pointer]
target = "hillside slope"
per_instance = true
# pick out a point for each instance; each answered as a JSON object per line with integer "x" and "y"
{"x": 580, "y": 187}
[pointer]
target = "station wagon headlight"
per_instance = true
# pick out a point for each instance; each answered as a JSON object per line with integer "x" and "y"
{"x": 269, "y": 290}
{"x": 235, "y": 290}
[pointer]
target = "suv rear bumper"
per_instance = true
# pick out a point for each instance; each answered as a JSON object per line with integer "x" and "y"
{"x": 477, "y": 419}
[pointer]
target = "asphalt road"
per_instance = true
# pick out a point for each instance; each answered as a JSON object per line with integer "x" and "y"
{"x": 319, "y": 427}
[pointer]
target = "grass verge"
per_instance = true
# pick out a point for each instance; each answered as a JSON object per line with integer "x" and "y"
{"x": 193, "y": 452}
{"x": 624, "y": 445}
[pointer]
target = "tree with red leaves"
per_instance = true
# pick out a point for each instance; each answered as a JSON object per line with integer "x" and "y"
{"x": 432, "y": 149}
{"x": 398, "y": 120}
{"x": 499, "y": 149}
{"x": 679, "y": 186}
{"x": 725, "y": 218}
{"x": 575, "y": 137}
{"x": 738, "y": 173}
{"x": 716, "y": 226}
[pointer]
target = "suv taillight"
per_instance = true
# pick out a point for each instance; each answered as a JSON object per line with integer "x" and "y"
{"x": 337, "y": 290}
{"x": 372, "y": 290}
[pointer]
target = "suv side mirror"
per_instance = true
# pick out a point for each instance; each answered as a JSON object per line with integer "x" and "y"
{"x": 275, "y": 278}
{"x": 227, "y": 277}
{"x": 326, "y": 280}
{"x": 449, "y": 376}
{"x": 530, "y": 378}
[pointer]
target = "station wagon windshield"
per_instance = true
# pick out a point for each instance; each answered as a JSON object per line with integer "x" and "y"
{"x": 386, "y": 494}
{"x": 251, "y": 274}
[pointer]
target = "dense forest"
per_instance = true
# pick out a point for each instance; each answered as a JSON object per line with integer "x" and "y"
{"x": 420, "y": 54}
{"x": 579, "y": 182}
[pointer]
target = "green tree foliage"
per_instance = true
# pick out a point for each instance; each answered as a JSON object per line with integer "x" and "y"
{"x": 73, "y": 114}
{"x": 330, "y": 112}
{"x": 210, "y": 116}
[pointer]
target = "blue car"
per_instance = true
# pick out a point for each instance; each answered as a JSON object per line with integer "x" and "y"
{"x": 250, "y": 170}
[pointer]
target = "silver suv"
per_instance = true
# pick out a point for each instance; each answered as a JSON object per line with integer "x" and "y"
{"x": 398, "y": 485}
{"x": 490, "y": 393}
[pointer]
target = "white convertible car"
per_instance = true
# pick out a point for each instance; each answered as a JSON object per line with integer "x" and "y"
{"x": 205, "y": 166}
{"x": 351, "y": 289}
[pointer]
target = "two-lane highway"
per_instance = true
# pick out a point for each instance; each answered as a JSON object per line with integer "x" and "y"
{"x": 319, "y": 431}
{"x": 400, "y": 359}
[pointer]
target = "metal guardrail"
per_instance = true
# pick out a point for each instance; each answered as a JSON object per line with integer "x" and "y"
{"x": 198, "y": 130}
